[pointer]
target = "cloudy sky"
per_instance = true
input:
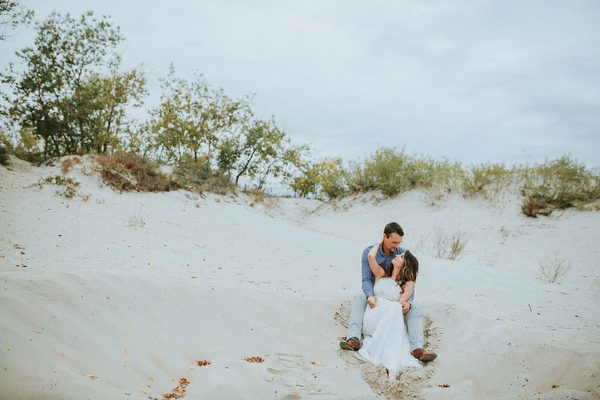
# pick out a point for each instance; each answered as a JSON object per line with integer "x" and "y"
{"x": 476, "y": 81}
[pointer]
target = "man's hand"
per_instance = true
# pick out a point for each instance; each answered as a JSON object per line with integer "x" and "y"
{"x": 372, "y": 301}
{"x": 405, "y": 307}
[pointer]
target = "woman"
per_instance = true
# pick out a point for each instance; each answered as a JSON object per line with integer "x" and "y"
{"x": 386, "y": 341}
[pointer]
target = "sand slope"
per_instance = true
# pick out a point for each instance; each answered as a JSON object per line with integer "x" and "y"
{"x": 120, "y": 295}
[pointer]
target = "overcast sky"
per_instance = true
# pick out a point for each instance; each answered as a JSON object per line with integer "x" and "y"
{"x": 475, "y": 81}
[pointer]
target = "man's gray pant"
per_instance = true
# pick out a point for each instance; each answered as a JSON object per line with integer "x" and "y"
{"x": 412, "y": 319}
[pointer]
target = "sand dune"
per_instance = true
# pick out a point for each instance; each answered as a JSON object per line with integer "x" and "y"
{"x": 119, "y": 296}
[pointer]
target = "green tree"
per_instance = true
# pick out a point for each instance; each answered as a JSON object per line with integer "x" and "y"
{"x": 191, "y": 119}
{"x": 102, "y": 105}
{"x": 28, "y": 147}
{"x": 5, "y": 147}
{"x": 140, "y": 139}
{"x": 70, "y": 93}
{"x": 261, "y": 151}
{"x": 12, "y": 14}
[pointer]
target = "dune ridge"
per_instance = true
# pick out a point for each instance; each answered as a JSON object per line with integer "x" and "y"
{"x": 119, "y": 296}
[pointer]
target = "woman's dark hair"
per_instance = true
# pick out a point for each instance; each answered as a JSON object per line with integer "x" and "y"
{"x": 409, "y": 272}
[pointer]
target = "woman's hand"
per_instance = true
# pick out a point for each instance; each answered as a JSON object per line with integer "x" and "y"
{"x": 373, "y": 251}
{"x": 405, "y": 307}
{"x": 372, "y": 301}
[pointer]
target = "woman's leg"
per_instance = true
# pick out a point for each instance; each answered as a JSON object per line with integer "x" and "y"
{"x": 392, "y": 375}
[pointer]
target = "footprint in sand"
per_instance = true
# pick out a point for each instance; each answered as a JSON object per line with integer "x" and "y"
{"x": 297, "y": 374}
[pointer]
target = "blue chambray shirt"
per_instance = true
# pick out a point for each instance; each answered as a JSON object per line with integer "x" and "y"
{"x": 384, "y": 261}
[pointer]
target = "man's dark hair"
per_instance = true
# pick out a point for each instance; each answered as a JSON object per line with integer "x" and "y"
{"x": 393, "y": 227}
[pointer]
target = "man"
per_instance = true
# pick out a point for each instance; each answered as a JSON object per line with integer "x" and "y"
{"x": 390, "y": 248}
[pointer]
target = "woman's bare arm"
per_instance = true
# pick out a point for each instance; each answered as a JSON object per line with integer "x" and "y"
{"x": 406, "y": 292}
{"x": 375, "y": 268}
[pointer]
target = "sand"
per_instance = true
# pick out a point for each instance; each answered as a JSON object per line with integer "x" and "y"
{"x": 119, "y": 296}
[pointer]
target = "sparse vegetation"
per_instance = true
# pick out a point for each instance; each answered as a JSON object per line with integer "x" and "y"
{"x": 4, "y": 160}
{"x": 449, "y": 245}
{"x": 70, "y": 187}
{"x": 391, "y": 172}
{"x": 446, "y": 179}
{"x": 67, "y": 164}
{"x": 554, "y": 270}
{"x": 126, "y": 173}
{"x": 486, "y": 180}
{"x": 457, "y": 245}
{"x": 421, "y": 242}
{"x": 137, "y": 219}
{"x": 203, "y": 179}
{"x": 557, "y": 185}
{"x": 258, "y": 196}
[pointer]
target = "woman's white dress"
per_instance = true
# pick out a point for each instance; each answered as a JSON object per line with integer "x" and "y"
{"x": 386, "y": 340}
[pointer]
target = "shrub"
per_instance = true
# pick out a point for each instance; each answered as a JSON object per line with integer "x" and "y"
{"x": 28, "y": 147}
{"x": 199, "y": 176}
{"x": 449, "y": 245}
{"x": 137, "y": 219}
{"x": 391, "y": 172}
{"x": 323, "y": 180}
{"x": 117, "y": 181}
{"x": 257, "y": 195}
{"x": 68, "y": 163}
{"x": 4, "y": 159}
{"x": 538, "y": 202}
{"x": 446, "y": 177}
{"x": 559, "y": 184}
{"x": 553, "y": 270}
{"x": 128, "y": 172}
{"x": 70, "y": 186}
{"x": 487, "y": 180}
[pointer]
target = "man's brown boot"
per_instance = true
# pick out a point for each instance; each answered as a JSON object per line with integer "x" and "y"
{"x": 351, "y": 344}
{"x": 421, "y": 355}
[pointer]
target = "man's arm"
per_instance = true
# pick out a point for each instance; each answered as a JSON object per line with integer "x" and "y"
{"x": 367, "y": 274}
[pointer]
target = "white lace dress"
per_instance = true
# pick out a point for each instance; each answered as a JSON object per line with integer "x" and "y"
{"x": 386, "y": 340}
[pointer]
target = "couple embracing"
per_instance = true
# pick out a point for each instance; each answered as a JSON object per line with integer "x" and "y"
{"x": 385, "y": 311}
